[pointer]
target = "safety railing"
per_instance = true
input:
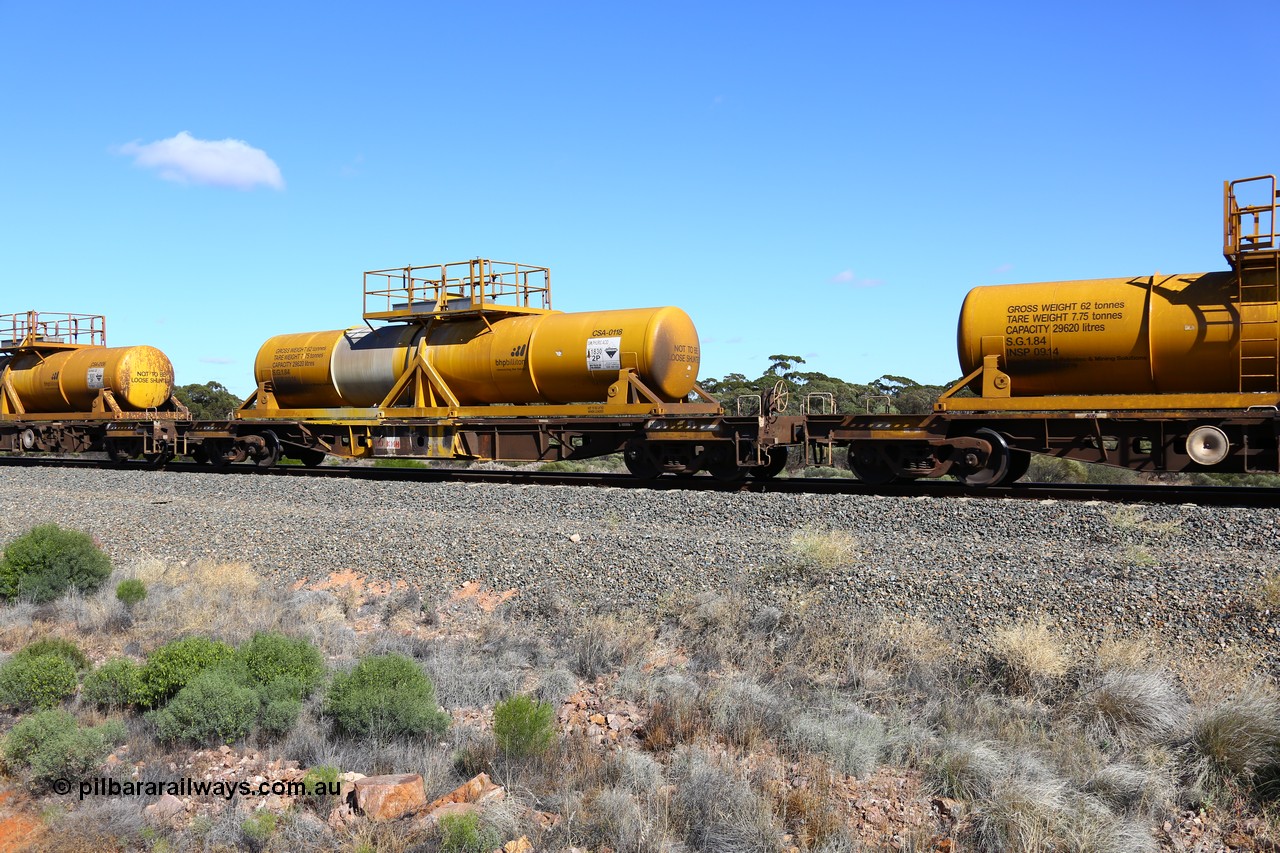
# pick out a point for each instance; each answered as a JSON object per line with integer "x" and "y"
{"x": 32, "y": 328}
{"x": 1249, "y": 227}
{"x": 465, "y": 286}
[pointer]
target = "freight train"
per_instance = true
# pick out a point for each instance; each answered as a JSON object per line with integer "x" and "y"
{"x": 469, "y": 361}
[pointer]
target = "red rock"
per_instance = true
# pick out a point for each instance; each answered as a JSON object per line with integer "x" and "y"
{"x": 390, "y": 797}
{"x": 164, "y": 810}
{"x": 340, "y": 816}
{"x": 479, "y": 788}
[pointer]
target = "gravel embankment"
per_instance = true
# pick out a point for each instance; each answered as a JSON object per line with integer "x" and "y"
{"x": 1188, "y": 576}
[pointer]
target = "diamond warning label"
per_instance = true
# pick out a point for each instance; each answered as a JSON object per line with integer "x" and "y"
{"x": 604, "y": 353}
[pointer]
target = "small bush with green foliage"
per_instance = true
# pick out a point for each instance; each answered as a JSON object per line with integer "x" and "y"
{"x": 52, "y": 746}
{"x": 281, "y": 704}
{"x": 58, "y": 647}
{"x": 321, "y": 784}
{"x": 48, "y": 561}
{"x": 270, "y": 656}
{"x": 113, "y": 686}
{"x": 130, "y": 592}
{"x": 39, "y": 681}
{"x": 169, "y": 668}
{"x": 385, "y": 696}
{"x": 462, "y": 833}
{"x": 214, "y": 707}
{"x": 259, "y": 827}
{"x": 523, "y": 726}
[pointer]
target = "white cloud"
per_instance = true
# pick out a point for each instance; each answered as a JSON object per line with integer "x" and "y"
{"x": 213, "y": 359}
{"x": 216, "y": 163}
{"x": 1003, "y": 268}
{"x": 847, "y": 277}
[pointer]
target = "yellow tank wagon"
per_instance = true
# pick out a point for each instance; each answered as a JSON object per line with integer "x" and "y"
{"x": 1154, "y": 373}
{"x": 469, "y": 360}
{"x": 62, "y": 388}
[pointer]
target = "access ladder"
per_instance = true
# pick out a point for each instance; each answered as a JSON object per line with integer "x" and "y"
{"x": 1250, "y": 246}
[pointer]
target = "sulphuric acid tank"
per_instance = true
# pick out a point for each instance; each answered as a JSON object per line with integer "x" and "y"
{"x": 531, "y": 358}
{"x": 138, "y": 378}
{"x": 1153, "y": 334}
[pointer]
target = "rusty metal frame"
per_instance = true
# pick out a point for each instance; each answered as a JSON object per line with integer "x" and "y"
{"x": 460, "y": 288}
{"x": 51, "y": 331}
{"x": 1236, "y": 239}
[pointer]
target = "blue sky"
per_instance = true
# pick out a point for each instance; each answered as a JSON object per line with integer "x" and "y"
{"x": 820, "y": 179}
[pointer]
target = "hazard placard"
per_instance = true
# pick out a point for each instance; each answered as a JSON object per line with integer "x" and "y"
{"x": 604, "y": 353}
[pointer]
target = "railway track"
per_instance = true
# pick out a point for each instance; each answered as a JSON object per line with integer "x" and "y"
{"x": 1238, "y": 496}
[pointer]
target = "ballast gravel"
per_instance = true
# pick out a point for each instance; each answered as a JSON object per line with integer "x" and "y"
{"x": 1186, "y": 576}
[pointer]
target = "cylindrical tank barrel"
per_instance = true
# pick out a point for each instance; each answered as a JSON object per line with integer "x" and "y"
{"x": 138, "y": 378}
{"x": 533, "y": 358}
{"x": 1161, "y": 334}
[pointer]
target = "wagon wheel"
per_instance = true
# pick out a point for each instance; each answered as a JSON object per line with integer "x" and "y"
{"x": 311, "y": 458}
{"x": 869, "y": 465}
{"x": 991, "y": 471}
{"x": 636, "y": 457}
{"x": 725, "y": 468}
{"x": 158, "y": 459}
{"x": 119, "y": 451}
{"x": 271, "y": 450}
{"x": 777, "y": 397}
{"x": 1019, "y": 465}
{"x": 772, "y": 468}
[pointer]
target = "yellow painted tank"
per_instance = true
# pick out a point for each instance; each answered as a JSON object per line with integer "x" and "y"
{"x": 1161, "y": 334}
{"x": 535, "y": 358}
{"x": 69, "y": 381}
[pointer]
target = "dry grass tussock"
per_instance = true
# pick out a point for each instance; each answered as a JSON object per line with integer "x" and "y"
{"x": 230, "y": 601}
{"x": 1126, "y": 653}
{"x": 1269, "y": 591}
{"x": 1133, "y": 519}
{"x": 1132, "y": 708}
{"x": 823, "y": 549}
{"x": 891, "y": 651}
{"x": 1029, "y": 656}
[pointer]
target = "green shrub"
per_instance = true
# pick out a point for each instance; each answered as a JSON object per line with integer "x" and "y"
{"x": 321, "y": 784}
{"x": 57, "y": 647}
{"x": 46, "y": 562}
{"x": 523, "y": 726}
{"x": 385, "y": 696}
{"x": 214, "y": 707}
{"x": 52, "y": 746}
{"x": 114, "y": 685}
{"x": 130, "y": 592}
{"x": 169, "y": 668}
{"x": 462, "y": 833}
{"x": 269, "y": 657}
{"x": 281, "y": 705}
{"x": 259, "y": 827}
{"x": 40, "y": 681}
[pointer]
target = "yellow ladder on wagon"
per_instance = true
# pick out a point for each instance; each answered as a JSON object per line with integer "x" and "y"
{"x": 1250, "y": 245}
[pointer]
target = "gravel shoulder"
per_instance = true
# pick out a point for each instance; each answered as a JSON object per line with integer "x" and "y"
{"x": 1185, "y": 577}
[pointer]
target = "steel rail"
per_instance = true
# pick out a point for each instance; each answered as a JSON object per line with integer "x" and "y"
{"x": 1239, "y": 496}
